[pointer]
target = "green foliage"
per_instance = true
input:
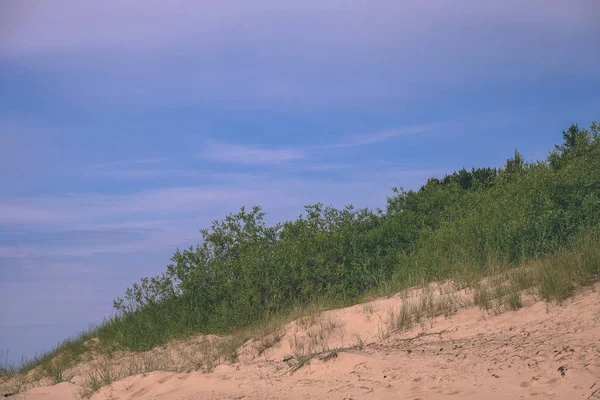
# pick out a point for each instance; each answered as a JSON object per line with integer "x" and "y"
{"x": 577, "y": 142}
{"x": 464, "y": 226}
{"x": 530, "y": 210}
{"x": 244, "y": 270}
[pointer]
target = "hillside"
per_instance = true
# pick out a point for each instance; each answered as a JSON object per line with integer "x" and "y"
{"x": 483, "y": 262}
{"x": 541, "y": 350}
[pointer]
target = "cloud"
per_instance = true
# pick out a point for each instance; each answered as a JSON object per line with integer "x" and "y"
{"x": 268, "y": 54}
{"x": 243, "y": 154}
{"x": 366, "y": 139}
{"x": 134, "y": 173}
{"x": 165, "y": 240}
{"x": 78, "y": 26}
{"x": 69, "y": 298}
{"x": 134, "y": 210}
{"x": 129, "y": 163}
{"x": 252, "y": 155}
{"x": 323, "y": 167}
{"x": 83, "y": 208}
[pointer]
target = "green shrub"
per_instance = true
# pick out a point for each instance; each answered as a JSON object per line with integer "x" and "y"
{"x": 465, "y": 226}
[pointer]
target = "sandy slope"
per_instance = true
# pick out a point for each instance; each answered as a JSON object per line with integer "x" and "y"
{"x": 543, "y": 351}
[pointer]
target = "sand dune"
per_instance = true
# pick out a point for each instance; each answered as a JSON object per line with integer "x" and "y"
{"x": 542, "y": 350}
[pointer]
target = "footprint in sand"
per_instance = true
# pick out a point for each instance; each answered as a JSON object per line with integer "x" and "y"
{"x": 140, "y": 392}
{"x": 165, "y": 379}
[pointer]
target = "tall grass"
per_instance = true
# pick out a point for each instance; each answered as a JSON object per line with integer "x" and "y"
{"x": 6, "y": 368}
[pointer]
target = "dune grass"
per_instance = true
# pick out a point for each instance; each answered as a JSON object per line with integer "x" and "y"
{"x": 526, "y": 226}
{"x": 6, "y": 368}
{"x": 552, "y": 277}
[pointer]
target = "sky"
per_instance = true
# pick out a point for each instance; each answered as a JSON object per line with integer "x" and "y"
{"x": 126, "y": 127}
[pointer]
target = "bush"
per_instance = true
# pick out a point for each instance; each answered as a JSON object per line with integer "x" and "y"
{"x": 463, "y": 226}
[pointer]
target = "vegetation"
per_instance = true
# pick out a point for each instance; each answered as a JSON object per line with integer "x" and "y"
{"x": 463, "y": 226}
{"x": 537, "y": 223}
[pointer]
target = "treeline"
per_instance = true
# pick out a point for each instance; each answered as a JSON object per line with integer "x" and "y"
{"x": 457, "y": 227}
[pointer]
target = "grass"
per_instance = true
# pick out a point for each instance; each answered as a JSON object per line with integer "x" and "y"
{"x": 514, "y": 300}
{"x": 360, "y": 344}
{"x": 101, "y": 374}
{"x": 563, "y": 272}
{"x": 7, "y": 369}
{"x": 553, "y": 277}
{"x": 368, "y": 309}
{"x": 57, "y": 370}
{"x": 268, "y": 341}
{"x": 402, "y": 320}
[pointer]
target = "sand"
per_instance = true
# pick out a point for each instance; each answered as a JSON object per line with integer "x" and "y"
{"x": 542, "y": 350}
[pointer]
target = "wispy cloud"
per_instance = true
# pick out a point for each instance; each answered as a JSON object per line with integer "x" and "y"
{"x": 322, "y": 167}
{"x": 83, "y": 208}
{"x": 253, "y": 155}
{"x": 243, "y": 154}
{"x": 366, "y": 139}
{"x": 116, "y": 242}
{"x": 151, "y": 172}
{"x": 130, "y": 163}
{"x": 84, "y": 211}
{"x": 37, "y": 27}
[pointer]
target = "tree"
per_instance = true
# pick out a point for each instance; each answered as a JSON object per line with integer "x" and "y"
{"x": 514, "y": 164}
{"x": 576, "y": 142}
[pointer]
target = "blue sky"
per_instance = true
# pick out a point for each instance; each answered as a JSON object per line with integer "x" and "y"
{"x": 125, "y": 127}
